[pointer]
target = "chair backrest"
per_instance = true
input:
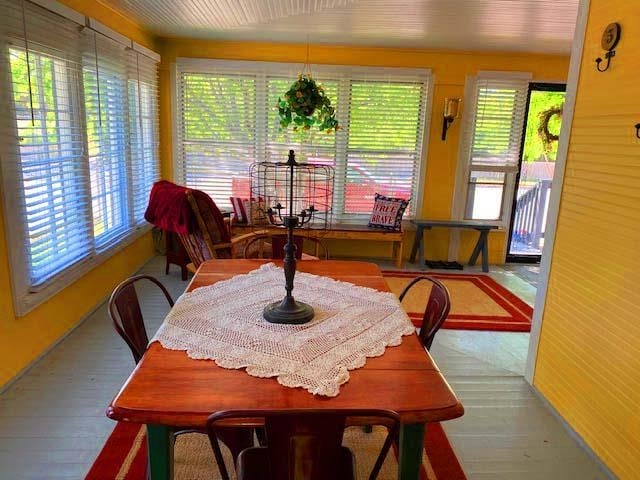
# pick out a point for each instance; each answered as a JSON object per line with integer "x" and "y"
{"x": 436, "y": 311}
{"x": 304, "y": 440}
{"x": 213, "y": 235}
{"x": 124, "y": 311}
{"x": 274, "y": 246}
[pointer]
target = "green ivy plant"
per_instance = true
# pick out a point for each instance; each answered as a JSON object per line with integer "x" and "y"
{"x": 305, "y": 105}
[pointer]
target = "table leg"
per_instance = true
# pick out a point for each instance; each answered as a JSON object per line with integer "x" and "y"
{"x": 160, "y": 441}
{"x": 476, "y": 249}
{"x": 411, "y": 446}
{"x": 416, "y": 241}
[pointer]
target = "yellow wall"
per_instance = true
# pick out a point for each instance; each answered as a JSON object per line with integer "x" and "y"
{"x": 449, "y": 69}
{"x": 23, "y": 339}
{"x": 588, "y": 363}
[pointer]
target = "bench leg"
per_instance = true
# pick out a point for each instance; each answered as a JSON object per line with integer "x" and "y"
{"x": 397, "y": 253}
{"x": 481, "y": 247}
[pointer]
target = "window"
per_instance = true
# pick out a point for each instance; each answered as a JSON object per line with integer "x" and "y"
{"x": 227, "y": 119}
{"x": 82, "y": 145}
{"x": 491, "y": 145}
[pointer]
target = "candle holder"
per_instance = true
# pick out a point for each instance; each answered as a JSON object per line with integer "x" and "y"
{"x": 300, "y": 196}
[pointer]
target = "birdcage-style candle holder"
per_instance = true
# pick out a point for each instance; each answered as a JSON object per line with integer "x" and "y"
{"x": 297, "y": 195}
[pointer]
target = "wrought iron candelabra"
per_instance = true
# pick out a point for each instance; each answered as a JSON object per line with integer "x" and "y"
{"x": 307, "y": 189}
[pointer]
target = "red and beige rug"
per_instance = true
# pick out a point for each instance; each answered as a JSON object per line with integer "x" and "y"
{"x": 477, "y": 301}
{"x": 124, "y": 456}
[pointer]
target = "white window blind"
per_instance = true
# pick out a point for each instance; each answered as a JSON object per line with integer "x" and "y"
{"x": 44, "y": 162}
{"x": 228, "y": 118}
{"x": 143, "y": 130}
{"x": 492, "y": 140}
{"x": 105, "y": 94}
{"x": 79, "y": 149}
{"x": 498, "y": 121}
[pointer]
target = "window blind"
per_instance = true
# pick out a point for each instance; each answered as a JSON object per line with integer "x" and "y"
{"x": 143, "y": 130}
{"x": 44, "y": 163}
{"x": 105, "y": 94}
{"x": 491, "y": 148}
{"x": 80, "y": 143}
{"x": 498, "y": 121}
{"x": 217, "y": 133}
{"x": 228, "y": 118}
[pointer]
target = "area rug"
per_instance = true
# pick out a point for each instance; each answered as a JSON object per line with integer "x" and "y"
{"x": 124, "y": 456}
{"x": 477, "y": 301}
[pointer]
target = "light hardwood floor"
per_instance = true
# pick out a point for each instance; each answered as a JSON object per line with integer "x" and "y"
{"x": 52, "y": 422}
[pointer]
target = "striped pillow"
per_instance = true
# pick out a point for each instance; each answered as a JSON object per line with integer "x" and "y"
{"x": 239, "y": 210}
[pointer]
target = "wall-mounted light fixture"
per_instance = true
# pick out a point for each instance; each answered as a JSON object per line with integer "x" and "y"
{"x": 610, "y": 39}
{"x": 451, "y": 110}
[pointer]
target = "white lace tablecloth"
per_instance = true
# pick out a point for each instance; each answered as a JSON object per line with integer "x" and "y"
{"x": 223, "y": 322}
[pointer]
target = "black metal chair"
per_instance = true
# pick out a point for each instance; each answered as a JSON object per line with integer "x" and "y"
{"x": 436, "y": 311}
{"x": 301, "y": 444}
{"x": 126, "y": 315}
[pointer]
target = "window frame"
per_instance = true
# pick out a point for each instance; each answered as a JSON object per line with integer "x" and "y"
{"x": 26, "y": 294}
{"x": 344, "y": 74}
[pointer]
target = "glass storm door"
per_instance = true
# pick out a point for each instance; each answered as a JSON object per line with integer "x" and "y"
{"x": 537, "y": 164}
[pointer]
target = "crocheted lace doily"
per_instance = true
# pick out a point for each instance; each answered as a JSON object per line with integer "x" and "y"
{"x": 223, "y": 322}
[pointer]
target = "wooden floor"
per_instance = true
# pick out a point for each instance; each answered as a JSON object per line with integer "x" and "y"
{"x": 53, "y": 424}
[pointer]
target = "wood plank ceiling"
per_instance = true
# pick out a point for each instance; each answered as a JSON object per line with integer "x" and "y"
{"x": 544, "y": 26}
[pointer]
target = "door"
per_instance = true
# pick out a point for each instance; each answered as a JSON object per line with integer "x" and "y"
{"x": 543, "y": 119}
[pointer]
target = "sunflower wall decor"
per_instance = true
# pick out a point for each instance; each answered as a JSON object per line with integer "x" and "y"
{"x": 305, "y": 105}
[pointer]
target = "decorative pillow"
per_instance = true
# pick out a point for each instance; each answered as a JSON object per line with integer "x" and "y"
{"x": 239, "y": 212}
{"x": 257, "y": 212}
{"x": 387, "y": 212}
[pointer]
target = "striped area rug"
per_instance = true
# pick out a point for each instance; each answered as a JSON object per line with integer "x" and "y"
{"x": 124, "y": 456}
{"x": 477, "y": 301}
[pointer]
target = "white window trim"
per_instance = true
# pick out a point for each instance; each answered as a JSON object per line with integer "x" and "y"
{"x": 208, "y": 65}
{"x": 25, "y": 296}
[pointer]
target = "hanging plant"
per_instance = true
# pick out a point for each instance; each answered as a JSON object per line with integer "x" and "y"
{"x": 543, "y": 130}
{"x": 306, "y": 105}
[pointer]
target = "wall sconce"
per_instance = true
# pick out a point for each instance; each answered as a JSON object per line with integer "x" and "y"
{"x": 610, "y": 39}
{"x": 451, "y": 110}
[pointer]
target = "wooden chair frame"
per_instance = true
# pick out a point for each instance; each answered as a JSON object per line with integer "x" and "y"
{"x": 267, "y": 240}
{"x": 283, "y": 425}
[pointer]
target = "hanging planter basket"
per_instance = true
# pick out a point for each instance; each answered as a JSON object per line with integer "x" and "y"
{"x": 305, "y": 105}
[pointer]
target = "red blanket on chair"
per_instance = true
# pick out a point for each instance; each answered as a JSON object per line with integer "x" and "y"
{"x": 169, "y": 208}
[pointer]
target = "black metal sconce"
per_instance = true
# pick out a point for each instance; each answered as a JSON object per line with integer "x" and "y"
{"x": 610, "y": 39}
{"x": 637, "y": 125}
{"x": 451, "y": 110}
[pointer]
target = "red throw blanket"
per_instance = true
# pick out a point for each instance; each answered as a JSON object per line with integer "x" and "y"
{"x": 169, "y": 209}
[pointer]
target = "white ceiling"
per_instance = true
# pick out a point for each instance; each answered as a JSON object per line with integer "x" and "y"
{"x": 505, "y": 25}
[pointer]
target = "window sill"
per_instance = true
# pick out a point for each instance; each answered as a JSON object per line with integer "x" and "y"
{"x": 28, "y": 301}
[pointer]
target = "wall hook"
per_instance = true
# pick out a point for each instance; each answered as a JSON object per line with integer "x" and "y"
{"x": 610, "y": 39}
{"x": 637, "y": 125}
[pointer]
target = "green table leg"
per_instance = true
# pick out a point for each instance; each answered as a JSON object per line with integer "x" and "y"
{"x": 160, "y": 441}
{"x": 411, "y": 445}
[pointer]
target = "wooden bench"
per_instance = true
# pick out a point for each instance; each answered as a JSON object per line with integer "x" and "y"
{"x": 482, "y": 245}
{"x": 340, "y": 232}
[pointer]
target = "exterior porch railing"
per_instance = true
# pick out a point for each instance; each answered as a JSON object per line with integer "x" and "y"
{"x": 530, "y": 215}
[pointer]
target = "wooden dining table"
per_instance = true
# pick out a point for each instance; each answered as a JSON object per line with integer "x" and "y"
{"x": 168, "y": 389}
